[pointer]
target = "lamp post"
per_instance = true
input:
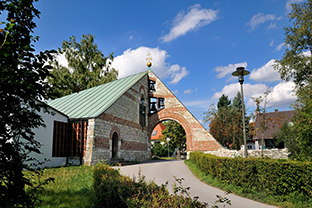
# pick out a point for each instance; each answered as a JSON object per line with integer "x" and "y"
{"x": 240, "y": 73}
{"x": 168, "y": 139}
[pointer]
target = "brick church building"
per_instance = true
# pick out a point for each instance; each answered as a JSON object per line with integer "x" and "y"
{"x": 115, "y": 121}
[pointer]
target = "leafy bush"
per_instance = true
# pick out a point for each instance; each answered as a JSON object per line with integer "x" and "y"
{"x": 275, "y": 177}
{"x": 162, "y": 150}
{"x": 114, "y": 190}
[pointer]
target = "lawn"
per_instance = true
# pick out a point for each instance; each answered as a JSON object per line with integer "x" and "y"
{"x": 72, "y": 187}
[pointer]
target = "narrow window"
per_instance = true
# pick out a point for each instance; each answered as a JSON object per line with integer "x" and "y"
{"x": 152, "y": 86}
{"x": 161, "y": 103}
{"x": 142, "y": 112}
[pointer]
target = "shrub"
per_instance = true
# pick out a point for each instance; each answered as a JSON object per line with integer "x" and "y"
{"x": 114, "y": 190}
{"x": 275, "y": 177}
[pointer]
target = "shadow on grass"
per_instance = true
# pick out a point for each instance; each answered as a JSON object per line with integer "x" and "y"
{"x": 79, "y": 198}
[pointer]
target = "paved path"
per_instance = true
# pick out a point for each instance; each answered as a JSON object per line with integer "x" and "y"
{"x": 162, "y": 171}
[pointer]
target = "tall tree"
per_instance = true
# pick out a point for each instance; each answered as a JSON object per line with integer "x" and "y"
{"x": 297, "y": 60}
{"x": 225, "y": 122}
{"x": 87, "y": 67}
{"x": 175, "y": 132}
{"x": 223, "y": 101}
{"x": 296, "y": 63}
{"x": 22, "y": 81}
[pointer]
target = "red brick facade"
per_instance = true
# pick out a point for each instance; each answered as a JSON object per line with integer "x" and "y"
{"x": 197, "y": 137}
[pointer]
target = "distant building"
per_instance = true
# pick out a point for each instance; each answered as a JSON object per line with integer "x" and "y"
{"x": 277, "y": 119}
{"x": 156, "y": 133}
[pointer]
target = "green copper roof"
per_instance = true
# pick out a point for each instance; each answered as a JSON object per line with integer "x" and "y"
{"x": 94, "y": 101}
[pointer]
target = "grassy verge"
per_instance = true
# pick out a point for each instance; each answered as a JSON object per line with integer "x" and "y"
{"x": 72, "y": 187}
{"x": 257, "y": 196}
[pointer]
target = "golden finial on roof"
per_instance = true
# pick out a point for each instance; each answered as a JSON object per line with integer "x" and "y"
{"x": 149, "y": 59}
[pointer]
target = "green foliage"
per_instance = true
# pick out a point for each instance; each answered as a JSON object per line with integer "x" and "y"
{"x": 298, "y": 136}
{"x": 22, "y": 82}
{"x": 115, "y": 190}
{"x": 223, "y": 101}
{"x": 225, "y": 122}
{"x": 162, "y": 150}
{"x": 72, "y": 187}
{"x": 303, "y": 122}
{"x": 88, "y": 67}
{"x": 296, "y": 63}
{"x": 287, "y": 134}
{"x": 177, "y": 136}
{"x": 282, "y": 179}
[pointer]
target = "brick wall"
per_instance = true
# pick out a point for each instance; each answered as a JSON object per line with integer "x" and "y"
{"x": 123, "y": 118}
{"x": 197, "y": 137}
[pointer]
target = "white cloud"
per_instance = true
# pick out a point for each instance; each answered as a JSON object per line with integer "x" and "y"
{"x": 272, "y": 43}
{"x": 189, "y": 91}
{"x": 197, "y": 103}
{"x": 280, "y": 95}
{"x": 225, "y": 70}
{"x": 259, "y": 19}
{"x": 61, "y": 59}
{"x": 232, "y": 89}
{"x": 133, "y": 61}
{"x": 279, "y": 47}
{"x": 177, "y": 73}
{"x": 194, "y": 18}
{"x": 265, "y": 73}
{"x": 271, "y": 26}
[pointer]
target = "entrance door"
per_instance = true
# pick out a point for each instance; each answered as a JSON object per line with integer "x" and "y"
{"x": 115, "y": 145}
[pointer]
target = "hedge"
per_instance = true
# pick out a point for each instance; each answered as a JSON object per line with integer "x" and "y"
{"x": 275, "y": 177}
{"x": 115, "y": 190}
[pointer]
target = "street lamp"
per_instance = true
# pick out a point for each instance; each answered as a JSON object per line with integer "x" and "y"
{"x": 240, "y": 73}
{"x": 168, "y": 139}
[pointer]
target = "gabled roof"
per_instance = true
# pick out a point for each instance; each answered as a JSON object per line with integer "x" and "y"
{"x": 159, "y": 128}
{"x": 92, "y": 102}
{"x": 273, "y": 127}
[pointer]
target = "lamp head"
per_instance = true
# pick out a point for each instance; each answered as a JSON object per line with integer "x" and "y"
{"x": 240, "y": 73}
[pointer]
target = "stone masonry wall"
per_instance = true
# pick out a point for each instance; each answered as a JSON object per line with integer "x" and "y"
{"x": 271, "y": 153}
{"x": 197, "y": 137}
{"x": 123, "y": 118}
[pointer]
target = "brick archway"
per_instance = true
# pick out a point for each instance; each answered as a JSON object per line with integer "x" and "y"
{"x": 166, "y": 114}
{"x": 197, "y": 137}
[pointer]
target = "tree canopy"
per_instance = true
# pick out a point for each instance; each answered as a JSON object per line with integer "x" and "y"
{"x": 177, "y": 135}
{"x": 225, "y": 122}
{"x": 223, "y": 101}
{"x": 22, "y": 82}
{"x": 296, "y": 62}
{"x": 87, "y": 67}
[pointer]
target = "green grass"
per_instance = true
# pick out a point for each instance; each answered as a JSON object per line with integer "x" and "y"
{"x": 280, "y": 201}
{"x": 72, "y": 187}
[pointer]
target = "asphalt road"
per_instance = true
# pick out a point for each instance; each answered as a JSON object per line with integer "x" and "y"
{"x": 162, "y": 171}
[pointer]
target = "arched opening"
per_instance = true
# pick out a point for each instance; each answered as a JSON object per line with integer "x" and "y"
{"x": 168, "y": 139}
{"x": 115, "y": 145}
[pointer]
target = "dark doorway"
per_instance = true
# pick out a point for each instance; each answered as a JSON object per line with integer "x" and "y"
{"x": 115, "y": 145}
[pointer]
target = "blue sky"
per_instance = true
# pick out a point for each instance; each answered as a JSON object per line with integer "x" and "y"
{"x": 195, "y": 45}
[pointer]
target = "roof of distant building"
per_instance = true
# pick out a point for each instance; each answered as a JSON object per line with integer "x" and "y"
{"x": 278, "y": 118}
{"x": 158, "y": 131}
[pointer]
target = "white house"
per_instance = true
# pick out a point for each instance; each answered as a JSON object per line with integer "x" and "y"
{"x": 45, "y": 136}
